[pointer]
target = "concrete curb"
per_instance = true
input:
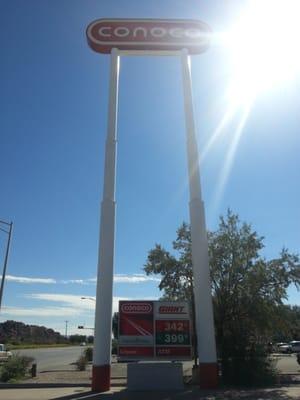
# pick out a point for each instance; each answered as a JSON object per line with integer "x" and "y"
{"x": 51, "y": 385}
{"x": 41, "y": 385}
{"x": 121, "y": 385}
{"x": 282, "y": 355}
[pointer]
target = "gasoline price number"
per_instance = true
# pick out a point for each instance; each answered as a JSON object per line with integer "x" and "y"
{"x": 175, "y": 338}
{"x": 172, "y": 332}
{"x": 174, "y": 326}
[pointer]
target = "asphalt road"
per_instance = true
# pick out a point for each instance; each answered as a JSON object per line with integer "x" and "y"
{"x": 288, "y": 364}
{"x": 55, "y": 358}
{"x": 63, "y": 358}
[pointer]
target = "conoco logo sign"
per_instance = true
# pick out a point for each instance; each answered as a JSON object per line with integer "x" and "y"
{"x": 136, "y": 308}
{"x": 147, "y": 34}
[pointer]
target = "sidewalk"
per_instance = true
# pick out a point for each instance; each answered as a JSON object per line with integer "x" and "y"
{"x": 72, "y": 385}
{"x": 120, "y": 393}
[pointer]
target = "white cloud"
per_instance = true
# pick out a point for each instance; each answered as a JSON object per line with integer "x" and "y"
{"x": 69, "y": 300}
{"x": 66, "y": 306}
{"x": 70, "y": 305}
{"x": 135, "y": 278}
{"x": 44, "y": 312}
{"x": 118, "y": 278}
{"x": 23, "y": 279}
{"x": 77, "y": 281}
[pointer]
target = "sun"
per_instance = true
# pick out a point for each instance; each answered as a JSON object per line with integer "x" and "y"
{"x": 264, "y": 48}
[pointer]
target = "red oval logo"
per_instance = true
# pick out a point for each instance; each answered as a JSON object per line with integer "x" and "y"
{"x": 136, "y": 308}
{"x": 148, "y": 34}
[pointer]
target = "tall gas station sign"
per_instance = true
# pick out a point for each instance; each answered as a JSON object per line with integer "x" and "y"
{"x": 148, "y": 35}
{"x": 154, "y": 330}
{"x": 138, "y": 37}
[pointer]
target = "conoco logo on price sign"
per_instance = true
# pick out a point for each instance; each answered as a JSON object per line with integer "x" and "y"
{"x": 136, "y": 308}
{"x": 148, "y": 34}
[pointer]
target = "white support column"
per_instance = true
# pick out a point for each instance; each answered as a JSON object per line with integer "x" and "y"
{"x": 202, "y": 285}
{"x": 104, "y": 294}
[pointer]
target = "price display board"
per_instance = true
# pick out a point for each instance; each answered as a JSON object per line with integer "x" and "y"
{"x": 154, "y": 330}
{"x": 172, "y": 332}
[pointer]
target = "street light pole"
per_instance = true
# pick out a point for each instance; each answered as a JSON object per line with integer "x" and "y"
{"x": 9, "y": 232}
{"x": 85, "y": 327}
{"x": 88, "y": 298}
{"x": 66, "y": 331}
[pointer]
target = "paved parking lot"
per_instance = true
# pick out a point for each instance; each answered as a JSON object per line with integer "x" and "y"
{"x": 279, "y": 393}
{"x": 287, "y": 364}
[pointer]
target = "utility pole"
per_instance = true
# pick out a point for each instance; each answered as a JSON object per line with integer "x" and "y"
{"x": 9, "y": 232}
{"x": 66, "y": 331}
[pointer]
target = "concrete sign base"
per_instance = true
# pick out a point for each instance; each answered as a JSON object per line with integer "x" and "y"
{"x": 155, "y": 376}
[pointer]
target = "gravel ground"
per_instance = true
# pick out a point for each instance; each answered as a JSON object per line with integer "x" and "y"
{"x": 118, "y": 376}
{"x": 72, "y": 376}
{"x": 78, "y": 377}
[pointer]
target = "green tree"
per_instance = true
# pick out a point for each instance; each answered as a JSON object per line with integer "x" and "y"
{"x": 90, "y": 339}
{"x": 247, "y": 289}
{"x": 115, "y": 325}
{"x": 176, "y": 273}
{"x": 74, "y": 339}
{"x": 287, "y": 324}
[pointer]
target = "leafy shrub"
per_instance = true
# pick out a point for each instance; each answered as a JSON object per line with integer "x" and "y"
{"x": 114, "y": 346}
{"x": 250, "y": 371}
{"x": 248, "y": 367}
{"x": 15, "y": 368}
{"x": 88, "y": 353}
{"x": 81, "y": 363}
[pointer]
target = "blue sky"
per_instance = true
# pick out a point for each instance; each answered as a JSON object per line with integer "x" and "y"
{"x": 53, "y": 99}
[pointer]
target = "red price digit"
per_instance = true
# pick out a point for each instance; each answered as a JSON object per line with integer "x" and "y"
{"x": 179, "y": 326}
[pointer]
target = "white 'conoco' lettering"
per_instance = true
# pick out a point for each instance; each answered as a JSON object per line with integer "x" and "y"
{"x": 136, "y": 308}
{"x": 176, "y": 32}
{"x": 193, "y": 33}
{"x": 103, "y": 29}
{"x": 122, "y": 31}
{"x": 156, "y": 32}
{"x": 138, "y": 29}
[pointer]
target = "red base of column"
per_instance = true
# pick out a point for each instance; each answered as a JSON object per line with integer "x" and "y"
{"x": 101, "y": 378}
{"x": 209, "y": 375}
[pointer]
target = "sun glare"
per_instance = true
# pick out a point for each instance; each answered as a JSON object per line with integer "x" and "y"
{"x": 264, "y": 47}
{"x": 264, "y": 53}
